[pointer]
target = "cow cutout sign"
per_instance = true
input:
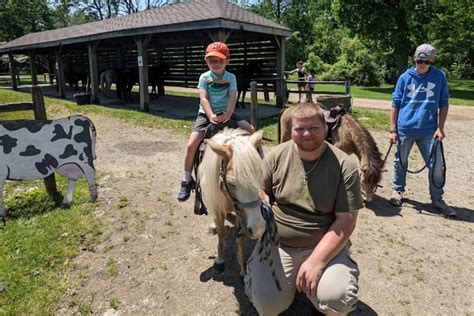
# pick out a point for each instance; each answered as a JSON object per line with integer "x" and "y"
{"x": 32, "y": 150}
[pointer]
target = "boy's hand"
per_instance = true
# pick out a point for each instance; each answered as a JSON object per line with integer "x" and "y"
{"x": 214, "y": 119}
{"x": 224, "y": 117}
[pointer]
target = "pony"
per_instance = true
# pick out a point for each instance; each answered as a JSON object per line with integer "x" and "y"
{"x": 73, "y": 78}
{"x": 244, "y": 74}
{"x": 229, "y": 176}
{"x": 155, "y": 78}
{"x": 349, "y": 135}
{"x": 107, "y": 77}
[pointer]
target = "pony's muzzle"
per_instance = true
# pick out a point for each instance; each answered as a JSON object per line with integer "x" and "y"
{"x": 255, "y": 227}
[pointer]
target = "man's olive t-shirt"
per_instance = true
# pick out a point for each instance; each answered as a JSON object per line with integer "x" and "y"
{"x": 305, "y": 211}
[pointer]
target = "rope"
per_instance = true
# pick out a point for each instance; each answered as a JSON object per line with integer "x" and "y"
{"x": 431, "y": 159}
{"x": 269, "y": 238}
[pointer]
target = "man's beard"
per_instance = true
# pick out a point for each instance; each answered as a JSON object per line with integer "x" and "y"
{"x": 308, "y": 145}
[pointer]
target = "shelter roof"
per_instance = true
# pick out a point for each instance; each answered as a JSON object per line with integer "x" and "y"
{"x": 185, "y": 16}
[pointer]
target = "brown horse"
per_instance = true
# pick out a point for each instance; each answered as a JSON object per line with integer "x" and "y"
{"x": 350, "y": 136}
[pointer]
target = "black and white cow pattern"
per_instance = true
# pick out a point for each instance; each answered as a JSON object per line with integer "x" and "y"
{"x": 35, "y": 149}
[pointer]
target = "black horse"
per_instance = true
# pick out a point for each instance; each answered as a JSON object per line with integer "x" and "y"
{"x": 156, "y": 79}
{"x": 244, "y": 74}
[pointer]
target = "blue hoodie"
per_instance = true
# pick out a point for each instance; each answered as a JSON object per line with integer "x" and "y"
{"x": 417, "y": 98}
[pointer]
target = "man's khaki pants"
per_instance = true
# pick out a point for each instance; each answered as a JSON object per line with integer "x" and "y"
{"x": 336, "y": 291}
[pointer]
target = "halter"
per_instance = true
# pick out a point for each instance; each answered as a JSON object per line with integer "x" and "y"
{"x": 238, "y": 206}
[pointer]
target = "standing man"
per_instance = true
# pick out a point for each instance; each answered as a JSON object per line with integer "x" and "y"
{"x": 314, "y": 189}
{"x": 418, "y": 115}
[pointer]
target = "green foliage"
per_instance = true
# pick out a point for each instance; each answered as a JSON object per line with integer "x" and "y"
{"x": 354, "y": 61}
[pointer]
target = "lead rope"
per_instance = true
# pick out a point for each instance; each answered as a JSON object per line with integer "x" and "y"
{"x": 431, "y": 159}
{"x": 269, "y": 238}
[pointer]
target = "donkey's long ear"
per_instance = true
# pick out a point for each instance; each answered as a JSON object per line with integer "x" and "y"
{"x": 256, "y": 138}
{"x": 222, "y": 150}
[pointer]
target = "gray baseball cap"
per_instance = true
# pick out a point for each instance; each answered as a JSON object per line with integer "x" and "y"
{"x": 425, "y": 51}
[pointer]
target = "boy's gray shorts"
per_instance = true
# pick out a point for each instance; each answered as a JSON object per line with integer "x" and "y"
{"x": 201, "y": 122}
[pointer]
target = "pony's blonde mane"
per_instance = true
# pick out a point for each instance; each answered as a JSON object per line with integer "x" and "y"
{"x": 246, "y": 165}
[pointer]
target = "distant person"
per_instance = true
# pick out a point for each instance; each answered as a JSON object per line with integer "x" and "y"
{"x": 314, "y": 189}
{"x": 302, "y": 73}
{"x": 310, "y": 86}
{"x": 218, "y": 96}
{"x": 418, "y": 115}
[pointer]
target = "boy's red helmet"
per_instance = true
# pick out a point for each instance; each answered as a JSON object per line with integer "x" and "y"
{"x": 217, "y": 49}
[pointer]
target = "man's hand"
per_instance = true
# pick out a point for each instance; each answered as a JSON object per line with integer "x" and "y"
{"x": 439, "y": 134}
{"x": 308, "y": 277}
{"x": 393, "y": 137}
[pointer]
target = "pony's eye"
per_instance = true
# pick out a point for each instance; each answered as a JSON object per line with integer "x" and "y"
{"x": 231, "y": 181}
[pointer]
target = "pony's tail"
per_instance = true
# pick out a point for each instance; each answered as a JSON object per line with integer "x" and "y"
{"x": 102, "y": 82}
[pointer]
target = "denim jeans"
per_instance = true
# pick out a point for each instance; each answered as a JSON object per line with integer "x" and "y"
{"x": 436, "y": 165}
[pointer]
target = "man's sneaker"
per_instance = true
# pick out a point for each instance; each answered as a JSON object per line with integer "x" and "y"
{"x": 185, "y": 191}
{"x": 396, "y": 198}
{"x": 444, "y": 208}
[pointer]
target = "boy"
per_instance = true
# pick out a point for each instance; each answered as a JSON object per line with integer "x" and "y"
{"x": 218, "y": 96}
{"x": 420, "y": 105}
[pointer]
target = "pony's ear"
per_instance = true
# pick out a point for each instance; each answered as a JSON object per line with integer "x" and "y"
{"x": 221, "y": 150}
{"x": 256, "y": 138}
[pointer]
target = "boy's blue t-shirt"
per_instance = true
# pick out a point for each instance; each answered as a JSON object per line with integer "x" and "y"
{"x": 418, "y": 98}
{"x": 217, "y": 90}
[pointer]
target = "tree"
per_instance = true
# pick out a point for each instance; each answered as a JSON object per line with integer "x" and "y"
{"x": 398, "y": 24}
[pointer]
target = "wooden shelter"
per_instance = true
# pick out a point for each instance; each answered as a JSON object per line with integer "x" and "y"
{"x": 176, "y": 35}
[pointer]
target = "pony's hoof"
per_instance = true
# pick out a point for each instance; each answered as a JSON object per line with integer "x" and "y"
{"x": 212, "y": 230}
{"x": 219, "y": 267}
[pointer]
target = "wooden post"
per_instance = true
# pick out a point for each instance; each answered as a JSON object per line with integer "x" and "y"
{"x": 60, "y": 80}
{"x": 34, "y": 78}
{"x": 279, "y": 89}
{"x": 253, "y": 104}
{"x": 143, "y": 75}
{"x": 94, "y": 76}
{"x": 348, "y": 86}
{"x": 13, "y": 72}
{"x": 40, "y": 114}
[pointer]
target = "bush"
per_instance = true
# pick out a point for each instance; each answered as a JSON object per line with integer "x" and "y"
{"x": 354, "y": 62}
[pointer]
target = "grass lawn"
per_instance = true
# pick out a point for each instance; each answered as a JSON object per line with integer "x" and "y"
{"x": 461, "y": 91}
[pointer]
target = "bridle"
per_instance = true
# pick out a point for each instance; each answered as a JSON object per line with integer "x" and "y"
{"x": 238, "y": 206}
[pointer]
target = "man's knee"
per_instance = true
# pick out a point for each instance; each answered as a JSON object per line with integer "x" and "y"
{"x": 337, "y": 296}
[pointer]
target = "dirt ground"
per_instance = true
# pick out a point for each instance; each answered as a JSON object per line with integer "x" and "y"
{"x": 155, "y": 257}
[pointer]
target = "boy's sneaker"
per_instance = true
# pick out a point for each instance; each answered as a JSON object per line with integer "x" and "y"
{"x": 444, "y": 208}
{"x": 185, "y": 191}
{"x": 396, "y": 198}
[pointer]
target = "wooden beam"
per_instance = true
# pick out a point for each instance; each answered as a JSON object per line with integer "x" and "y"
{"x": 93, "y": 73}
{"x": 280, "y": 84}
{"x": 34, "y": 77}
{"x": 40, "y": 114}
{"x": 13, "y": 72}
{"x": 143, "y": 74}
{"x": 61, "y": 82}
{"x": 253, "y": 104}
{"x": 18, "y": 106}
